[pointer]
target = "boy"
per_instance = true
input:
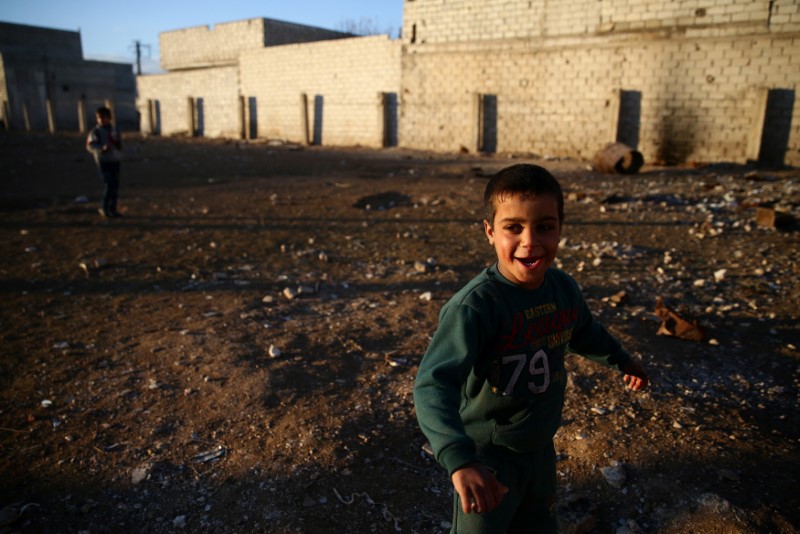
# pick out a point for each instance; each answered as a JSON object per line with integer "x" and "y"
{"x": 490, "y": 388}
{"x": 105, "y": 144}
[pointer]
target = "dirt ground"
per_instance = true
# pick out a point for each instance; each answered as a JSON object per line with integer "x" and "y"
{"x": 237, "y": 353}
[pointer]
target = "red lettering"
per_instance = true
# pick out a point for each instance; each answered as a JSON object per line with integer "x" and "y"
{"x": 524, "y": 335}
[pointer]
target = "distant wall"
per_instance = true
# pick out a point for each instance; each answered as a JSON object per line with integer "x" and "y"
{"x": 679, "y": 80}
{"x": 205, "y": 46}
{"x": 435, "y": 21}
{"x": 344, "y": 82}
{"x": 41, "y": 65}
{"x": 39, "y": 43}
{"x": 163, "y": 102}
{"x": 688, "y": 80}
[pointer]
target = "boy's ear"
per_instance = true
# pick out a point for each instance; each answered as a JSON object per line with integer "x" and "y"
{"x": 487, "y": 228}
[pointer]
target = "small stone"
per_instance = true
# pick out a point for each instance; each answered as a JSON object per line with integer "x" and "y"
{"x": 619, "y": 297}
{"x": 713, "y": 503}
{"x": 290, "y": 293}
{"x": 274, "y": 351}
{"x": 427, "y": 296}
{"x": 269, "y": 299}
{"x": 305, "y": 290}
{"x": 421, "y": 266}
{"x": 179, "y": 521}
{"x": 139, "y": 474}
{"x": 727, "y": 474}
{"x": 614, "y": 474}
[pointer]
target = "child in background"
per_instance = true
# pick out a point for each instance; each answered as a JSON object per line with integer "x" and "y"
{"x": 490, "y": 389}
{"x": 105, "y": 144}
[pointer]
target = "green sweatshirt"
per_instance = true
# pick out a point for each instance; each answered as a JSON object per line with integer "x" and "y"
{"x": 494, "y": 371}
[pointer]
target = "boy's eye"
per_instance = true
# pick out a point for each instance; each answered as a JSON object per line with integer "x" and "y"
{"x": 515, "y": 228}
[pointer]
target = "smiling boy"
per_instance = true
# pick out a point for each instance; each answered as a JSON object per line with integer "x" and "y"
{"x": 490, "y": 389}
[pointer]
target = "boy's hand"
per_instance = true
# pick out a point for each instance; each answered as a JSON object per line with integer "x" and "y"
{"x": 635, "y": 375}
{"x": 478, "y": 488}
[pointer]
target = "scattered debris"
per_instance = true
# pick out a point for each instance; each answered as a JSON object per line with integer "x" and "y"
{"x": 618, "y": 157}
{"x": 383, "y": 201}
{"x": 616, "y": 299}
{"x": 384, "y": 509}
{"x": 11, "y": 513}
{"x": 771, "y": 218}
{"x": 140, "y": 473}
{"x": 90, "y": 266}
{"x": 615, "y": 474}
{"x": 290, "y": 293}
{"x": 673, "y": 325}
{"x": 576, "y": 515}
{"x": 214, "y": 454}
{"x": 396, "y": 361}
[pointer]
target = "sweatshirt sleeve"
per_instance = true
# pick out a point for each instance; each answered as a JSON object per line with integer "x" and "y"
{"x": 93, "y": 143}
{"x": 591, "y": 340}
{"x": 116, "y": 138}
{"x": 438, "y": 390}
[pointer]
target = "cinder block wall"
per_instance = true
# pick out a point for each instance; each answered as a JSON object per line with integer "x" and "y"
{"x": 343, "y": 80}
{"x": 204, "y": 46}
{"x": 37, "y": 42}
{"x": 216, "y": 87}
{"x": 435, "y": 21}
{"x": 556, "y": 69}
{"x": 41, "y": 64}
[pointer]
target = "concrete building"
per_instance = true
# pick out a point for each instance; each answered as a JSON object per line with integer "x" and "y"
{"x": 45, "y": 84}
{"x": 267, "y": 78}
{"x": 688, "y": 80}
{"x": 684, "y": 80}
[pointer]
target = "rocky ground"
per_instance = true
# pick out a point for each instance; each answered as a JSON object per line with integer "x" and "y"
{"x": 237, "y": 353}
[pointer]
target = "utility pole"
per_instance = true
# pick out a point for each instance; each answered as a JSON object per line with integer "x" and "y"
{"x": 137, "y": 46}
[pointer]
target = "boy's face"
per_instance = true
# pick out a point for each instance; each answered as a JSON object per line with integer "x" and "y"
{"x": 103, "y": 120}
{"x": 525, "y": 234}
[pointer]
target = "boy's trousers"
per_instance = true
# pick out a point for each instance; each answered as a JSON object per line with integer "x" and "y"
{"x": 109, "y": 172}
{"x": 529, "y": 505}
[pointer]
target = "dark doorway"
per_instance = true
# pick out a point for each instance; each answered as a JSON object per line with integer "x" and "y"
{"x": 777, "y": 127}
{"x": 630, "y": 116}
{"x": 199, "y": 118}
{"x": 318, "y": 109}
{"x": 487, "y": 123}
{"x": 389, "y": 119}
{"x": 155, "y": 117}
{"x": 252, "y": 117}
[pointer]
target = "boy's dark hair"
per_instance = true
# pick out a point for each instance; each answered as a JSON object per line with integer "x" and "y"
{"x": 104, "y": 111}
{"x": 525, "y": 180}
